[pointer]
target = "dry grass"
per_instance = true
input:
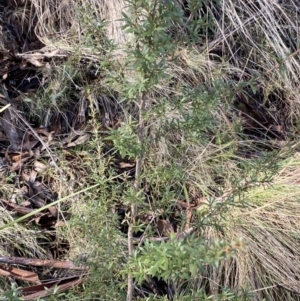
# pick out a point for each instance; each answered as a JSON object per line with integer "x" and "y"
{"x": 60, "y": 24}
{"x": 261, "y": 38}
{"x": 269, "y": 226}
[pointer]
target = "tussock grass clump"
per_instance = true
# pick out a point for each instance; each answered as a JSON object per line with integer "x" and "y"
{"x": 260, "y": 38}
{"x": 63, "y": 23}
{"x": 269, "y": 226}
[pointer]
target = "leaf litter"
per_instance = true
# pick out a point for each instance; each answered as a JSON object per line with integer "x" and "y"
{"x": 22, "y": 152}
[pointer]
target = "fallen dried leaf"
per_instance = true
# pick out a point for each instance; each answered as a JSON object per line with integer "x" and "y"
{"x": 40, "y": 167}
{"x": 53, "y": 211}
{"x": 79, "y": 141}
{"x": 23, "y": 157}
{"x": 35, "y": 62}
{"x": 124, "y": 165}
{"x": 164, "y": 227}
{"x": 60, "y": 224}
{"x": 184, "y": 204}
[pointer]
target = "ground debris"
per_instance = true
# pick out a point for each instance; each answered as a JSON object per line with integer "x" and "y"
{"x": 42, "y": 288}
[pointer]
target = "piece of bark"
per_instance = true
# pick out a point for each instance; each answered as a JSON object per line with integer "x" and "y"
{"x": 19, "y": 274}
{"x": 47, "y": 288}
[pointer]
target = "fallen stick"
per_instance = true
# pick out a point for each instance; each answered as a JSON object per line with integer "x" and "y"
{"x": 42, "y": 263}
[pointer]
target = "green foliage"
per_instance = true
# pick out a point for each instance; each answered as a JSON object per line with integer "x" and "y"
{"x": 96, "y": 228}
{"x": 94, "y": 33}
{"x": 186, "y": 120}
{"x": 151, "y": 47}
{"x": 177, "y": 259}
{"x": 148, "y": 56}
{"x": 125, "y": 140}
{"x": 11, "y": 295}
{"x": 196, "y": 107}
{"x": 148, "y": 21}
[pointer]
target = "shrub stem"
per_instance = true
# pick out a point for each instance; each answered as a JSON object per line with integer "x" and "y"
{"x": 137, "y": 185}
